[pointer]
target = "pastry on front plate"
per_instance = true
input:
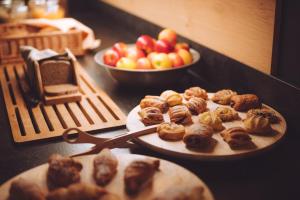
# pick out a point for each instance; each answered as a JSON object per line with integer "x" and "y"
{"x": 223, "y": 96}
{"x": 181, "y": 192}
{"x": 171, "y": 97}
{"x": 245, "y": 102}
{"x": 196, "y": 105}
{"x": 226, "y": 114}
{"x": 23, "y": 189}
{"x": 258, "y": 125}
{"x": 105, "y": 167}
{"x": 151, "y": 115}
{"x": 154, "y": 101}
{"x": 170, "y": 131}
{"x": 78, "y": 191}
{"x": 138, "y": 174}
{"x": 63, "y": 171}
{"x": 211, "y": 119}
{"x": 197, "y": 136}
{"x": 195, "y": 92}
{"x": 264, "y": 112}
{"x": 180, "y": 114}
{"x": 236, "y": 137}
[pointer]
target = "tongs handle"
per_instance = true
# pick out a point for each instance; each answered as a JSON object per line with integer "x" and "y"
{"x": 83, "y": 137}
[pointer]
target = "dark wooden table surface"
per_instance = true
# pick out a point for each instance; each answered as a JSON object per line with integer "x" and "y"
{"x": 272, "y": 175}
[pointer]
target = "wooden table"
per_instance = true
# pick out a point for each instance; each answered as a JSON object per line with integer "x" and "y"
{"x": 273, "y": 175}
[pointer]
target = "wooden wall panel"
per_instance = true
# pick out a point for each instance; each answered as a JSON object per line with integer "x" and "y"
{"x": 240, "y": 29}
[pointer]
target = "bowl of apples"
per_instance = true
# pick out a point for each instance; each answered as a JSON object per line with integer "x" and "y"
{"x": 148, "y": 62}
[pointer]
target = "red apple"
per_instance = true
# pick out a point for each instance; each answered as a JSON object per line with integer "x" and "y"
{"x": 162, "y": 46}
{"x": 182, "y": 45}
{"x": 126, "y": 63}
{"x": 161, "y": 61}
{"x": 145, "y": 43}
{"x": 168, "y": 35}
{"x": 111, "y": 57}
{"x": 143, "y": 63}
{"x": 176, "y": 59}
{"x": 186, "y": 56}
{"x": 134, "y": 53}
{"x": 120, "y": 48}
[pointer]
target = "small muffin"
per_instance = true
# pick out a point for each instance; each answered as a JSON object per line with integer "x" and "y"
{"x": 196, "y": 105}
{"x": 180, "y": 114}
{"x": 151, "y": 115}
{"x": 226, "y": 114}
{"x": 170, "y": 131}
{"x": 223, "y": 96}
{"x": 211, "y": 119}
{"x": 236, "y": 137}
{"x": 195, "y": 92}
{"x": 264, "y": 112}
{"x": 258, "y": 125}
{"x": 154, "y": 101}
{"x": 171, "y": 97}
{"x": 197, "y": 136}
{"x": 244, "y": 102}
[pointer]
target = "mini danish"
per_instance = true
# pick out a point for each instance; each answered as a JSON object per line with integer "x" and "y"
{"x": 195, "y": 92}
{"x": 196, "y": 105}
{"x": 226, "y": 114}
{"x": 154, "y": 101}
{"x": 170, "y": 131}
{"x": 151, "y": 115}
{"x": 236, "y": 137}
{"x": 258, "y": 125}
{"x": 171, "y": 97}
{"x": 180, "y": 114}
{"x": 198, "y": 136}
{"x": 211, "y": 119}
{"x": 245, "y": 102}
{"x": 264, "y": 112}
{"x": 223, "y": 96}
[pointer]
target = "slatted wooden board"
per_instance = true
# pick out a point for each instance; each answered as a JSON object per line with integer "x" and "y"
{"x": 96, "y": 111}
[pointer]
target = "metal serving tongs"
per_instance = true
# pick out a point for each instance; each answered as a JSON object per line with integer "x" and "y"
{"x": 101, "y": 143}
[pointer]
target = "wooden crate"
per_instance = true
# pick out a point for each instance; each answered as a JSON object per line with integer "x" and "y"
{"x": 58, "y": 41}
{"x": 96, "y": 111}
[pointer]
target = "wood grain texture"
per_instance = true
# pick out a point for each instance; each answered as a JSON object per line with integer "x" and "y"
{"x": 220, "y": 150}
{"x": 240, "y": 29}
{"x": 168, "y": 176}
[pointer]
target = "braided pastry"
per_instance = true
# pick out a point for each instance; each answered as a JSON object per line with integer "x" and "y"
{"x": 196, "y": 105}
{"x": 151, "y": 115}
{"x": 236, "y": 137}
{"x": 154, "y": 101}
{"x": 180, "y": 114}
{"x": 198, "y": 136}
{"x": 195, "y": 92}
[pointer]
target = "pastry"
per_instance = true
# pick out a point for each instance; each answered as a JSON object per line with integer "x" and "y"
{"x": 170, "y": 131}
{"x": 211, "y": 119}
{"x": 151, "y": 115}
{"x": 245, "y": 102}
{"x": 236, "y": 137}
{"x": 139, "y": 174}
{"x": 154, "y": 101}
{"x": 22, "y": 189}
{"x": 171, "y": 97}
{"x": 223, "y": 96}
{"x": 226, "y": 114}
{"x": 105, "y": 167}
{"x": 196, "y": 105}
{"x": 264, "y": 112}
{"x": 197, "y": 136}
{"x": 195, "y": 92}
{"x": 63, "y": 171}
{"x": 181, "y": 192}
{"x": 180, "y": 114}
{"x": 258, "y": 125}
{"x": 78, "y": 191}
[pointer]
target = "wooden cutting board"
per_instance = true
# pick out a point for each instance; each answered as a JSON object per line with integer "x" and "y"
{"x": 170, "y": 175}
{"x": 219, "y": 151}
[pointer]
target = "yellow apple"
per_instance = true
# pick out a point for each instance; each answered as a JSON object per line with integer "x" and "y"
{"x": 186, "y": 56}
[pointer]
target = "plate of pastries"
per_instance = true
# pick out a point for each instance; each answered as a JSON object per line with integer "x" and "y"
{"x": 207, "y": 126}
{"x": 106, "y": 176}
